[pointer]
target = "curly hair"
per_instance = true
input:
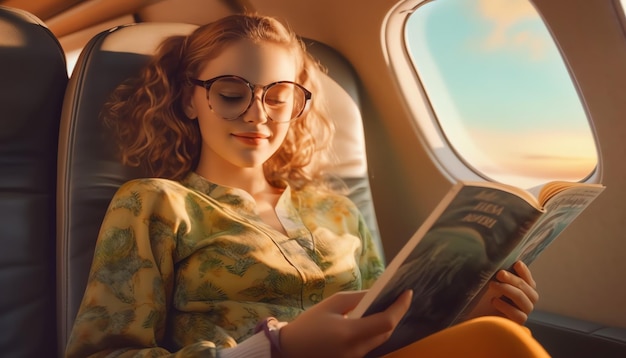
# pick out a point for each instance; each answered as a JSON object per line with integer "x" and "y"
{"x": 146, "y": 112}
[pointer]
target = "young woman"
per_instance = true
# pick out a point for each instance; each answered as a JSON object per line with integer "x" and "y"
{"x": 237, "y": 233}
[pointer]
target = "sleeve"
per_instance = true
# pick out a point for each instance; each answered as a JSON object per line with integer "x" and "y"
{"x": 371, "y": 261}
{"x": 257, "y": 346}
{"x": 124, "y": 309}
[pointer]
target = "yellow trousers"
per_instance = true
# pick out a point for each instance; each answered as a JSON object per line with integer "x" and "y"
{"x": 482, "y": 337}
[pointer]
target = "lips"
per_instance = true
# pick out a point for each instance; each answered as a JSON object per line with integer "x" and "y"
{"x": 251, "y": 137}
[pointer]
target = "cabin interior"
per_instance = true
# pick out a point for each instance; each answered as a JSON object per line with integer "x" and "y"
{"x": 55, "y": 177}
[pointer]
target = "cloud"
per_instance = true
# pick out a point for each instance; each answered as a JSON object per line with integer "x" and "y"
{"x": 536, "y": 153}
{"x": 505, "y": 16}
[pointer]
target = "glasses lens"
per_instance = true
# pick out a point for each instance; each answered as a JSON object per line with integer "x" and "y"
{"x": 284, "y": 101}
{"x": 229, "y": 97}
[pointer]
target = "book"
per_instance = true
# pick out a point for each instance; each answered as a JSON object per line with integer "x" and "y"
{"x": 477, "y": 229}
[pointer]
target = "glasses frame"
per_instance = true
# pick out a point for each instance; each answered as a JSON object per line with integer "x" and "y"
{"x": 308, "y": 95}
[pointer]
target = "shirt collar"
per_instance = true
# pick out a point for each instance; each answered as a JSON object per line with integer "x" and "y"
{"x": 244, "y": 204}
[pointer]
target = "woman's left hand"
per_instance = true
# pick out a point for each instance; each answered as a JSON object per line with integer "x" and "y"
{"x": 510, "y": 295}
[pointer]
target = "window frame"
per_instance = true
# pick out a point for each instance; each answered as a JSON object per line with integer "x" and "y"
{"x": 424, "y": 120}
{"x": 620, "y": 9}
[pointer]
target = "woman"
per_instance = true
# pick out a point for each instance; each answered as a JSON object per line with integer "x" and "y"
{"x": 238, "y": 223}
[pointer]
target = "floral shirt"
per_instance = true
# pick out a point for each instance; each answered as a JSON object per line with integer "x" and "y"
{"x": 189, "y": 267}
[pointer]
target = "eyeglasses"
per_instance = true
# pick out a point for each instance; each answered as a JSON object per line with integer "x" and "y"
{"x": 231, "y": 96}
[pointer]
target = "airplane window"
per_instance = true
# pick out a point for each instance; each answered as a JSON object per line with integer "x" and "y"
{"x": 499, "y": 89}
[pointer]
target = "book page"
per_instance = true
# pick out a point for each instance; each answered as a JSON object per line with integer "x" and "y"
{"x": 553, "y": 188}
{"x": 561, "y": 210}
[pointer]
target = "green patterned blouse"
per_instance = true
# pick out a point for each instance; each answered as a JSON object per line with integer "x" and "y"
{"x": 187, "y": 267}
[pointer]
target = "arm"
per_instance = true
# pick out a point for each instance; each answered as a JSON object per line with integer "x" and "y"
{"x": 129, "y": 291}
{"x": 371, "y": 262}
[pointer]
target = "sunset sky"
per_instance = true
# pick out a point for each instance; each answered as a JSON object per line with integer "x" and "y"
{"x": 500, "y": 90}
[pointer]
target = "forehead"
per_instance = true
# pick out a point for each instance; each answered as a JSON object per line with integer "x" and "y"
{"x": 259, "y": 63}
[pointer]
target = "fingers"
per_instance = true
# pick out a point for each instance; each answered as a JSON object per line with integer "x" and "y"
{"x": 342, "y": 302}
{"x": 509, "y": 311}
{"x": 517, "y": 293}
{"x": 524, "y": 273}
{"x": 388, "y": 319}
{"x": 384, "y": 321}
{"x": 522, "y": 280}
{"x": 380, "y": 326}
{"x": 511, "y": 302}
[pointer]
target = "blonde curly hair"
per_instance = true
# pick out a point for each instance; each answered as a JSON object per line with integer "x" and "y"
{"x": 146, "y": 112}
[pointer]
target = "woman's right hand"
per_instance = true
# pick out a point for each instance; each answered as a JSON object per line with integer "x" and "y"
{"x": 324, "y": 331}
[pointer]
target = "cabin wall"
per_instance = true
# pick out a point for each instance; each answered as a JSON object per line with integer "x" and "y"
{"x": 582, "y": 273}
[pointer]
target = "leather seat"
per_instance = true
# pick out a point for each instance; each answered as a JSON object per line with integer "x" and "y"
{"x": 33, "y": 78}
{"x": 90, "y": 173}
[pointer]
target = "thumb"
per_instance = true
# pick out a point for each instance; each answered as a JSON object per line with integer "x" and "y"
{"x": 342, "y": 302}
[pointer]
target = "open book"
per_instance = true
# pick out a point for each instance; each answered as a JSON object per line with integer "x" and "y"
{"x": 477, "y": 229}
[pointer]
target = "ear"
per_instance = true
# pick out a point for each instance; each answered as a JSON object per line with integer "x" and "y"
{"x": 190, "y": 109}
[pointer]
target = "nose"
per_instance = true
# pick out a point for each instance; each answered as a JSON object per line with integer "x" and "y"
{"x": 256, "y": 113}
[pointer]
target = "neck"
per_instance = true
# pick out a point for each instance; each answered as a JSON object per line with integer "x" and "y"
{"x": 252, "y": 180}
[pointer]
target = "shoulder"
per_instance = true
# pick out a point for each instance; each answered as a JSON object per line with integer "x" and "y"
{"x": 156, "y": 191}
{"x": 152, "y": 185}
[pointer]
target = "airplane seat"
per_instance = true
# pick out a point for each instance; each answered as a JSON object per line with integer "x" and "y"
{"x": 90, "y": 172}
{"x": 33, "y": 77}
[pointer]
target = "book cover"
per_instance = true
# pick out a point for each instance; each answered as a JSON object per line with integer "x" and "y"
{"x": 475, "y": 230}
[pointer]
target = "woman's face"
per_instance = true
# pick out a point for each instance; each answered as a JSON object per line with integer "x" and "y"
{"x": 250, "y": 139}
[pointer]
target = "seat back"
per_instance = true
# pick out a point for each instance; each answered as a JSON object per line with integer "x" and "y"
{"x": 90, "y": 172}
{"x": 33, "y": 78}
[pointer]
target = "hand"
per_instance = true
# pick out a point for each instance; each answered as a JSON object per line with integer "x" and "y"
{"x": 324, "y": 331}
{"x": 510, "y": 295}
